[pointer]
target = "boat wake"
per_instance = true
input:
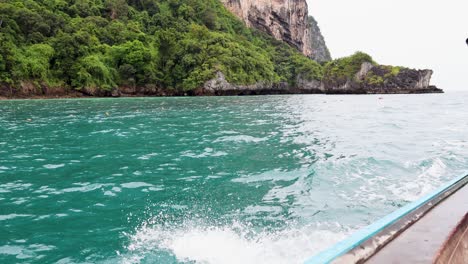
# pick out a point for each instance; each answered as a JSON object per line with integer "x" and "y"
{"x": 236, "y": 243}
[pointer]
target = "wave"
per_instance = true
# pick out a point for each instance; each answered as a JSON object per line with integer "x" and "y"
{"x": 228, "y": 244}
{"x": 240, "y": 139}
{"x": 433, "y": 175}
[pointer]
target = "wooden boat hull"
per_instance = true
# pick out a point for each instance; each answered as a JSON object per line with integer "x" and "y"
{"x": 455, "y": 249}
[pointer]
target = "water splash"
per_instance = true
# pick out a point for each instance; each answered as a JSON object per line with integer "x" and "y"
{"x": 229, "y": 244}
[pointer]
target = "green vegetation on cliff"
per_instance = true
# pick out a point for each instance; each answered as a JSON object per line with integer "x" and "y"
{"x": 380, "y": 74}
{"x": 172, "y": 44}
{"x": 339, "y": 71}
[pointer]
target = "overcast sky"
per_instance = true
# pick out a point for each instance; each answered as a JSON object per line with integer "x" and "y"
{"x": 414, "y": 33}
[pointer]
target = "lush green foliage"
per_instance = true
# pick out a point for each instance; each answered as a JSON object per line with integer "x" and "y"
{"x": 340, "y": 70}
{"x": 392, "y": 70}
{"x": 373, "y": 79}
{"x": 384, "y": 72}
{"x": 101, "y": 44}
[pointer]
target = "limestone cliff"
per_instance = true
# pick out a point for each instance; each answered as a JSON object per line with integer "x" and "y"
{"x": 320, "y": 50}
{"x": 371, "y": 79}
{"x": 286, "y": 20}
{"x": 382, "y": 79}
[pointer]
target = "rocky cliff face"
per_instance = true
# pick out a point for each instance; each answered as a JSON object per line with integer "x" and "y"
{"x": 220, "y": 86}
{"x": 371, "y": 79}
{"x": 381, "y": 79}
{"x": 286, "y": 20}
{"x": 320, "y": 50}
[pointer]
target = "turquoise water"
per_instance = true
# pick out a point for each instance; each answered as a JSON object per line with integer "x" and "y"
{"x": 267, "y": 179}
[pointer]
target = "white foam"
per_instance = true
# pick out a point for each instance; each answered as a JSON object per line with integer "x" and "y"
{"x": 148, "y": 156}
{"x": 429, "y": 179}
{"x": 134, "y": 185}
{"x": 240, "y": 138}
{"x": 109, "y": 193}
{"x": 230, "y": 244}
{"x": 21, "y": 156}
{"x": 25, "y": 252}
{"x": 53, "y": 166}
{"x": 11, "y": 216}
{"x": 207, "y": 152}
{"x": 273, "y": 176}
{"x": 84, "y": 188}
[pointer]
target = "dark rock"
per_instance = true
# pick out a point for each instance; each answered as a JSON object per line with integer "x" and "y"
{"x": 405, "y": 81}
{"x": 381, "y": 79}
{"x": 115, "y": 92}
{"x": 220, "y": 86}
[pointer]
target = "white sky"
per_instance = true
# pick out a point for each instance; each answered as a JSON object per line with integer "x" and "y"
{"x": 413, "y": 33}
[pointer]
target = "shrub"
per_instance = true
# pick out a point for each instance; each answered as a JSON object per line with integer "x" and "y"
{"x": 92, "y": 72}
{"x": 340, "y": 70}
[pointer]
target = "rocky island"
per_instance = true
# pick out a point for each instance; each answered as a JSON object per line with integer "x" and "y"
{"x": 180, "y": 47}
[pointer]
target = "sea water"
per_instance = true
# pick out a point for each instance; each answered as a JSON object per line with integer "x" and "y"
{"x": 265, "y": 179}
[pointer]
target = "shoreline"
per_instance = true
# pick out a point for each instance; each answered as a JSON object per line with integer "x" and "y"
{"x": 84, "y": 96}
{"x": 370, "y": 79}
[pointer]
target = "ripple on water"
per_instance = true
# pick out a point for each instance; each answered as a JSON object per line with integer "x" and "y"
{"x": 148, "y": 156}
{"x": 432, "y": 176}
{"x": 83, "y": 189}
{"x": 12, "y": 216}
{"x": 273, "y": 176}
{"x": 26, "y": 251}
{"x": 106, "y": 131}
{"x": 240, "y": 138}
{"x": 53, "y": 166}
{"x": 190, "y": 178}
{"x": 135, "y": 185}
{"x": 21, "y": 156}
{"x": 109, "y": 193}
{"x": 15, "y": 186}
{"x": 208, "y": 152}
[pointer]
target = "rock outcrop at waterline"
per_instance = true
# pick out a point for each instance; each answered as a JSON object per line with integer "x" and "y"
{"x": 371, "y": 79}
{"x": 382, "y": 79}
{"x": 286, "y": 20}
{"x": 220, "y": 86}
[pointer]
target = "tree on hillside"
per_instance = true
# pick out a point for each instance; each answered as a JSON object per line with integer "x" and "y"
{"x": 118, "y": 9}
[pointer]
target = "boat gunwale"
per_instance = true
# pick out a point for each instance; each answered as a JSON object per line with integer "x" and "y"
{"x": 364, "y": 243}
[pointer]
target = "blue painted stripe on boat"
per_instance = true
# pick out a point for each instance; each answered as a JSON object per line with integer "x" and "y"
{"x": 366, "y": 233}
